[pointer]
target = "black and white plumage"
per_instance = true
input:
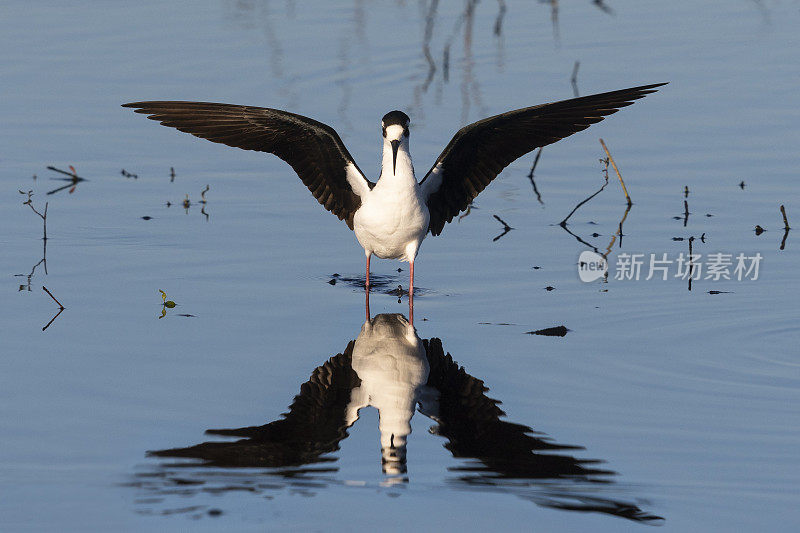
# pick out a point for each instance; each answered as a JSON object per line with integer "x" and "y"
{"x": 391, "y": 217}
{"x": 389, "y": 367}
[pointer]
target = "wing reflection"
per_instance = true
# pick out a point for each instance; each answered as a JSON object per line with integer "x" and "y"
{"x": 390, "y": 368}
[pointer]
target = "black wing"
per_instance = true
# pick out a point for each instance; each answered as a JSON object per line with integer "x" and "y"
{"x": 313, "y": 149}
{"x": 508, "y": 456}
{"x": 314, "y": 426}
{"x": 480, "y": 151}
{"x": 472, "y": 424}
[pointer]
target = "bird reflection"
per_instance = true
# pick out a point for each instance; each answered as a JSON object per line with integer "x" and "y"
{"x": 391, "y": 369}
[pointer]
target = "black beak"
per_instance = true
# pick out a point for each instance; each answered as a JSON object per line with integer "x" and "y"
{"x": 395, "y": 146}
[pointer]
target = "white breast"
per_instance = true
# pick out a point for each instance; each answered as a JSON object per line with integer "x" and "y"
{"x": 393, "y": 218}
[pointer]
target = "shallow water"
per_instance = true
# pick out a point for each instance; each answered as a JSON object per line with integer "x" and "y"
{"x": 688, "y": 398}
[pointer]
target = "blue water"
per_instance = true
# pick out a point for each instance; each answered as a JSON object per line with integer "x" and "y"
{"x": 689, "y": 398}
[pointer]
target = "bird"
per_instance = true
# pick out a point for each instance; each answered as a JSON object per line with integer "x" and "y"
{"x": 392, "y": 216}
{"x": 390, "y": 368}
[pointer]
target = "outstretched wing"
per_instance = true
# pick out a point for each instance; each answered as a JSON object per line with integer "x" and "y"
{"x": 478, "y": 152}
{"x": 314, "y": 426}
{"x": 507, "y": 457}
{"x": 313, "y": 149}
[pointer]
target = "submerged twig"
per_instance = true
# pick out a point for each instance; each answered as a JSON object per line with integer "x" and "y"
{"x": 592, "y": 246}
{"x": 53, "y": 319}
{"x": 691, "y": 262}
{"x": 53, "y": 297}
{"x": 786, "y": 227}
{"x": 613, "y": 164}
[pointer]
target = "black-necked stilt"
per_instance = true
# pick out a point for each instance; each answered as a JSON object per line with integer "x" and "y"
{"x": 391, "y": 217}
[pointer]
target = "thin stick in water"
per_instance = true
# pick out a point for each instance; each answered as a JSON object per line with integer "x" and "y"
{"x": 574, "y": 78}
{"x": 53, "y": 297}
{"x": 530, "y": 175}
{"x": 563, "y": 223}
{"x": 613, "y": 164}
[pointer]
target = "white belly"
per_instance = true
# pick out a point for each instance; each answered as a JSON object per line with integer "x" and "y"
{"x": 392, "y": 223}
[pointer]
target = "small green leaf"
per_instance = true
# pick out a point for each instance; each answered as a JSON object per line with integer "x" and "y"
{"x": 163, "y": 295}
{"x": 169, "y": 303}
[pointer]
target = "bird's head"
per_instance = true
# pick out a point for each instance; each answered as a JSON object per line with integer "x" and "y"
{"x": 395, "y": 133}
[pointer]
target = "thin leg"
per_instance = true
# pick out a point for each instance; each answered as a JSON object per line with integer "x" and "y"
{"x": 366, "y": 285}
{"x": 367, "y": 303}
{"x": 411, "y": 296}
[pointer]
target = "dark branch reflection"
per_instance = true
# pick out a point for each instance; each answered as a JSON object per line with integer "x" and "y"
{"x": 390, "y": 368}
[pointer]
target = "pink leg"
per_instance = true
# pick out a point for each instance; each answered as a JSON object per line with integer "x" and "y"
{"x": 411, "y": 296}
{"x": 367, "y": 304}
{"x": 366, "y": 285}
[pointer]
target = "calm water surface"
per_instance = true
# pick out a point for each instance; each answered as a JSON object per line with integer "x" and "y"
{"x": 661, "y": 405}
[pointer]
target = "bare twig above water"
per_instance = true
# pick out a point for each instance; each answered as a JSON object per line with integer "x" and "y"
{"x": 574, "y": 78}
{"x": 73, "y": 179}
{"x": 72, "y": 174}
{"x": 530, "y": 175}
{"x": 43, "y": 216}
{"x": 53, "y": 297}
{"x": 430, "y": 19}
{"x": 613, "y": 164}
{"x": 785, "y": 220}
{"x": 501, "y": 13}
{"x": 563, "y": 223}
{"x": 603, "y": 7}
{"x": 554, "y": 19}
{"x": 60, "y": 307}
{"x": 685, "y": 213}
